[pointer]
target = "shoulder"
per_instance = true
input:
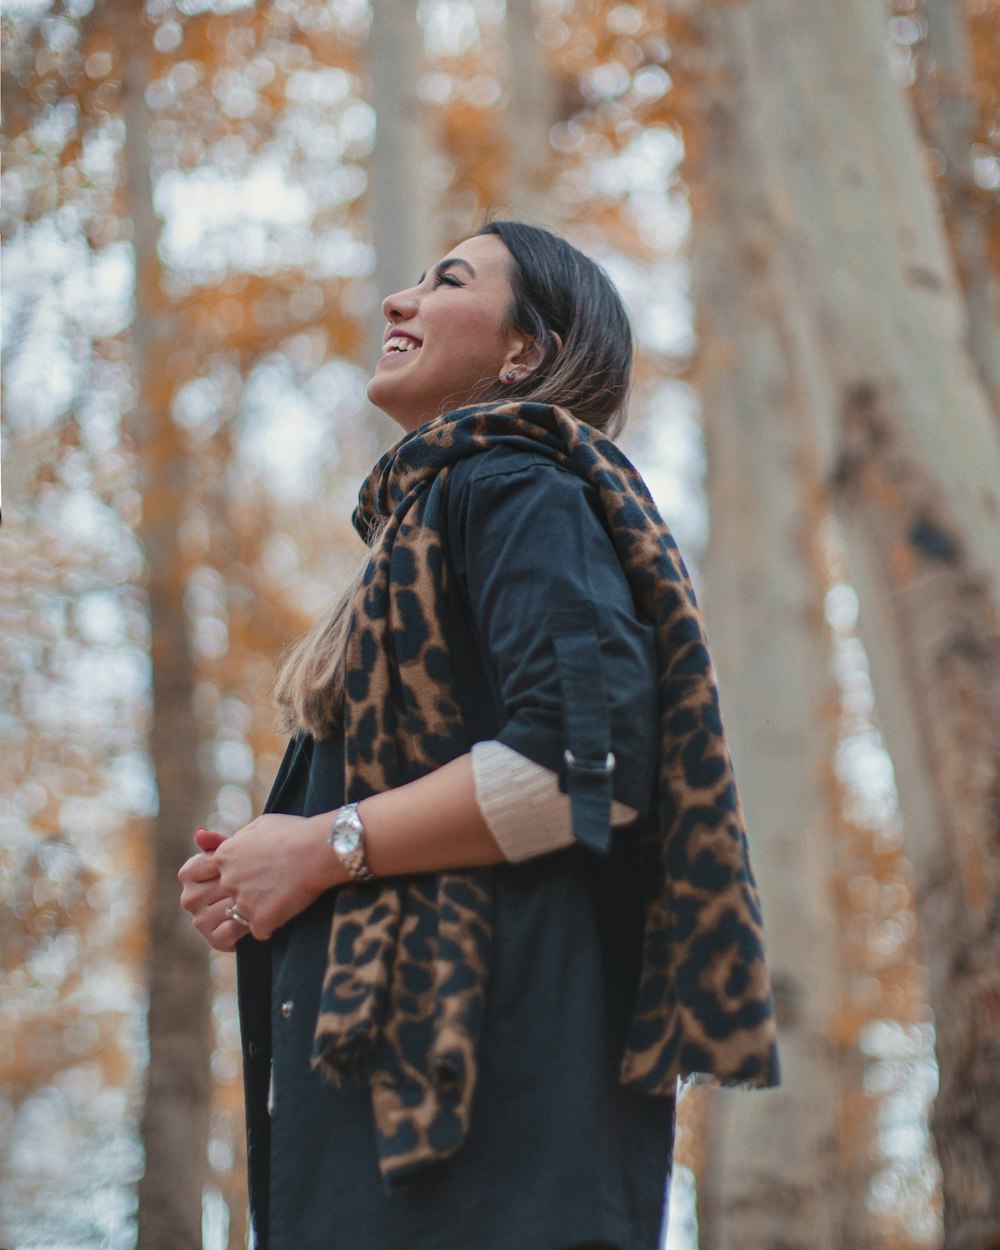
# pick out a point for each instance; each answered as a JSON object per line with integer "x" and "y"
{"x": 519, "y": 513}
{"x": 511, "y": 488}
{"x": 512, "y": 477}
{"x": 504, "y": 461}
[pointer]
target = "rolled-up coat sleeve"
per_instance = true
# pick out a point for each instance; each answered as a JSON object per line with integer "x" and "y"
{"x": 535, "y": 561}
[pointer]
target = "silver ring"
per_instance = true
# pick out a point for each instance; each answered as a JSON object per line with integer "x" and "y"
{"x": 233, "y": 914}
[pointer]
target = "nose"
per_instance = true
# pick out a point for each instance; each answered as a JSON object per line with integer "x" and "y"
{"x": 400, "y": 306}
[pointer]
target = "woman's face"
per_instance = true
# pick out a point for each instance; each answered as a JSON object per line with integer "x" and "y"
{"x": 446, "y": 335}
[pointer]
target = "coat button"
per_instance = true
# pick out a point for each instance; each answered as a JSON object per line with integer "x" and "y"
{"x": 252, "y": 1050}
{"x": 286, "y": 1008}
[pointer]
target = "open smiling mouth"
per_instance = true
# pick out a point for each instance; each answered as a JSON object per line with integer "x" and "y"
{"x": 399, "y": 346}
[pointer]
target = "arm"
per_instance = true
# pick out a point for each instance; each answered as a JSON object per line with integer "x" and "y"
{"x": 278, "y": 865}
{"x": 480, "y": 809}
{"x": 530, "y": 553}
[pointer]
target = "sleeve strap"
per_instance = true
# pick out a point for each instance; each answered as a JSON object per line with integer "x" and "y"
{"x": 586, "y": 723}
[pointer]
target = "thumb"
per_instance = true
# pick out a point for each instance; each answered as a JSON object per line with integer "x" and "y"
{"x": 208, "y": 840}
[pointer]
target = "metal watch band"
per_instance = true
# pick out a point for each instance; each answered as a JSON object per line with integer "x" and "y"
{"x": 347, "y": 841}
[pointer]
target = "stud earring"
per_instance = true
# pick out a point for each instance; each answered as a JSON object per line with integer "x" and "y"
{"x": 510, "y": 375}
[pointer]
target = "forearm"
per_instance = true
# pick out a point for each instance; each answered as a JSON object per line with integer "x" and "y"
{"x": 470, "y": 813}
{"x": 428, "y": 825}
{"x": 274, "y": 868}
{"x": 278, "y": 865}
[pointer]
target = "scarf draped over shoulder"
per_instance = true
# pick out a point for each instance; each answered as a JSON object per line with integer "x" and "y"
{"x": 409, "y": 958}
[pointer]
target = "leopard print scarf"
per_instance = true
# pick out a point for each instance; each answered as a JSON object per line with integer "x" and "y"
{"x": 404, "y": 990}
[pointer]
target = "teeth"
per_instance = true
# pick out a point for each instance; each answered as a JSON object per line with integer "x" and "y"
{"x": 400, "y": 345}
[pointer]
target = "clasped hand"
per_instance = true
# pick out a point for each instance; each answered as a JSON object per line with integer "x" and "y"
{"x": 270, "y": 871}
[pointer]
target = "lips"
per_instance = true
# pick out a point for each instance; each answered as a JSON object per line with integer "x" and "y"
{"x": 398, "y": 343}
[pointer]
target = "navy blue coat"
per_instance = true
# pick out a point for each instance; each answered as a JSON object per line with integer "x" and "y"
{"x": 558, "y": 1152}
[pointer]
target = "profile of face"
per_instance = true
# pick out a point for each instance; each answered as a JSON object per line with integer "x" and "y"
{"x": 448, "y": 337}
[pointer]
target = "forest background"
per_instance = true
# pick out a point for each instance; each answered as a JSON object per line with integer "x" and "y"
{"x": 202, "y": 202}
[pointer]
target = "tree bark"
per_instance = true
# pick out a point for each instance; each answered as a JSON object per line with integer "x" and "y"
{"x": 179, "y": 1084}
{"x": 910, "y": 452}
{"x": 773, "y": 1174}
{"x": 401, "y": 210}
{"x": 529, "y": 116}
{"x": 946, "y": 85}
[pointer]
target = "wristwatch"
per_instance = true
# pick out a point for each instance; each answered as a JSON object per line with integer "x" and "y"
{"x": 347, "y": 841}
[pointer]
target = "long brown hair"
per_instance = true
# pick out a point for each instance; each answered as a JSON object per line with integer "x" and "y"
{"x": 555, "y": 289}
{"x": 309, "y": 686}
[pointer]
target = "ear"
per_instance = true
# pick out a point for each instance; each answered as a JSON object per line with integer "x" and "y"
{"x": 525, "y": 354}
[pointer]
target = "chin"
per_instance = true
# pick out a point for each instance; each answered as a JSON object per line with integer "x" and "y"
{"x": 376, "y": 395}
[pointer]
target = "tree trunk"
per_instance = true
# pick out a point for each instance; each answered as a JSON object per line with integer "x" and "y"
{"x": 949, "y": 114}
{"x": 529, "y": 116}
{"x": 909, "y": 447}
{"x": 771, "y": 1175}
{"x": 179, "y": 1084}
{"x": 401, "y": 217}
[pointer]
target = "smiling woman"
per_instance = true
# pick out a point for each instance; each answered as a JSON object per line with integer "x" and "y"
{"x": 499, "y": 900}
{"x": 449, "y": 340}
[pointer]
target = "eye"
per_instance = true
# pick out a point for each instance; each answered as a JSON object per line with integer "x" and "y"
{"x": 448, "y": 278}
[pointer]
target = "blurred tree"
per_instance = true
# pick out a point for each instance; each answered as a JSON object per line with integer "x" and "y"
{"x": 178, "y": 1096}
{"x": 400, "y": 198}
{"x": 72, "y": 861}
{"x": 530, "y": 114}
{"x": 773, "y": 1174}
{"x": 237, "y": 338}
{"x": 955, "y": 56}
{"x": 76, "y": 785}
{"x": 240, "y": 319}
{"x": 793, "y": 1167}
{"x": 879, "y": 333}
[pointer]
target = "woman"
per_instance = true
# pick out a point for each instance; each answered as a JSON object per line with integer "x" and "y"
{"x": 499, "y": 901}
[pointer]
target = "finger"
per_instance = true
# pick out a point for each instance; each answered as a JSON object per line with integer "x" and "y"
{"x": 233, "y": 931}
{"x": 198, "y": 897}
{"x": 208, "y": 840}
{"x": 233, "y": 913}
{"x": 199, "y": 868}
{"x": 211, "y": 919}
{"x": 224, "y": 938}
{"x": 260, "y": 927}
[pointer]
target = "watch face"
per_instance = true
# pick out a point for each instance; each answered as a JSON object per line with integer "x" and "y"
{"x": 346, "y": 841}
{"x": 347, "y": 838}
{"x": 347, "y": 832}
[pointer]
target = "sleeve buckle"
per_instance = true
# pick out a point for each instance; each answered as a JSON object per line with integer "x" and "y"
{"x": 590, "y": 766}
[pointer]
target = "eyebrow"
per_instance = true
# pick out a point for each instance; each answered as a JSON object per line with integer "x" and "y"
{"x": 448, "y": 263}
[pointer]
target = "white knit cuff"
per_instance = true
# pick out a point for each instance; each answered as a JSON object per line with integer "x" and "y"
{"x": 522, "y": 804}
